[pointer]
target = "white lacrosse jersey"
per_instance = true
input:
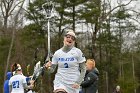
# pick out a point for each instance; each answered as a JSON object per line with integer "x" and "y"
{"x": 68, "y": 68}
{"x": 17, "y": 82}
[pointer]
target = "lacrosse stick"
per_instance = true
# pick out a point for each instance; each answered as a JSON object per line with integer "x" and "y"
{"x": 48, "y": 7}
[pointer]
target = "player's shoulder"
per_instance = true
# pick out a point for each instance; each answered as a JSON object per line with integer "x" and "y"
{"x": 19, "y": 76}
{"x": 22, "y": 76}
{"x": 76, "y": 49}
{"x": 58, "y": 51}
{"x": 11, "y": 78}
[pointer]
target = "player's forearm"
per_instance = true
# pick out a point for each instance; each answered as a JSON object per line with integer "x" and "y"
{"x": 27, "y": 87}
{"x": 82, "y": 74}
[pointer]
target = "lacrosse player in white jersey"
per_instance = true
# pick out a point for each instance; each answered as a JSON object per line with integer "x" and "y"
{"x": 71, "y": 66}
{"x": 17, "y": 82}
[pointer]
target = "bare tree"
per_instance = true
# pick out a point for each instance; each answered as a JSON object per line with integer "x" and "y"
{"x": 8, "y": 8}
{"x": 15, "y": 18}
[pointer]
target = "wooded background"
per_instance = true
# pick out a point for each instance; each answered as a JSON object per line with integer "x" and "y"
{"x": 107, "y": 31}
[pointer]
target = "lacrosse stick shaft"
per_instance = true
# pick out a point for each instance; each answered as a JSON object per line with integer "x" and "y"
{"x": 48, "y": 59}
{"x": 48, "y": 39}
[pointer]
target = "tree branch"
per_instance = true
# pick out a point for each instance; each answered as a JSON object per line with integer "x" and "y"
{"x": 12, "y": 41}
{"x": 116, "y": 8}
{"x": 10, "y": 12}
{"x": 2, "y": 9}
{"x": 135, "y": 20}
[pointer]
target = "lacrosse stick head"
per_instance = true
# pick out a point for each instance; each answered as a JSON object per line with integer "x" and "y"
{"x": 48, "y": 7}
{"x": 36, "y": 70}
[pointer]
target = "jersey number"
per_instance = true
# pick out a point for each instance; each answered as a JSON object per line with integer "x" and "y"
{"x": 15, "y": 84}
{"x": 66, "y": 65}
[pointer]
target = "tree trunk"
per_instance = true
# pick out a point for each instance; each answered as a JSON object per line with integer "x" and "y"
{"x": 73, "y": 17}
{"x": 9, "y": 53}
{"x": 12, "y": 41}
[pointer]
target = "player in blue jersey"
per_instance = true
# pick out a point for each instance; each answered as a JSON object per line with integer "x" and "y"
{"x": 71, "y": 66}
{"x": 6, "y": 83}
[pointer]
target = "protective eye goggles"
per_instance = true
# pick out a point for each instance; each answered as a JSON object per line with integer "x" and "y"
{"x": 18, "y": 69}
{"x": 69, "y": 36}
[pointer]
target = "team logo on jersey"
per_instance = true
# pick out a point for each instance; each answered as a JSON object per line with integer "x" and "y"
{"x": 88, "y": 78}
{"x": 66, "y": 59}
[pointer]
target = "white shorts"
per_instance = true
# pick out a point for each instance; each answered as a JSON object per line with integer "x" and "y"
{"x": 67, "y": 87}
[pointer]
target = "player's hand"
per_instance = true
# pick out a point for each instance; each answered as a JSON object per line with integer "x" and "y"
{"x": 76, "y": 86}
{"x": 48, "y": 64}
{"x": 31, "y": 86}
{"x": 32, "y": 82}
{"x": 30, "y": 76}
